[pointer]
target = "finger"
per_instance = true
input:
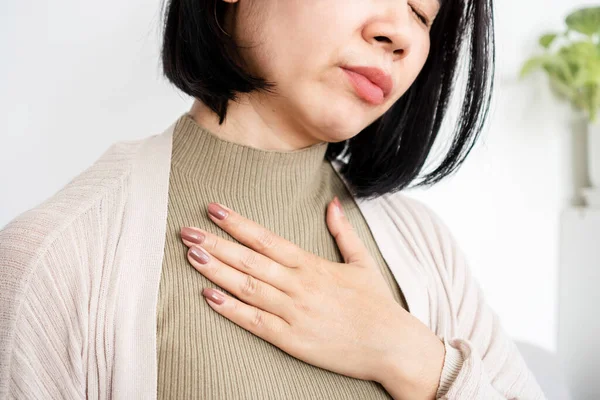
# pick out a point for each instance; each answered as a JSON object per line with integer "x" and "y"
{"x": 263, "y": 324}
{"x": 245, "y": 287}
{"x": 259, "y": 238}
{"x": 241, "y": 258}
{"x": 351, "y": 246}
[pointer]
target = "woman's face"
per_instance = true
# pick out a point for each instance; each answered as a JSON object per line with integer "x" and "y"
{"x": 301, "y": 45}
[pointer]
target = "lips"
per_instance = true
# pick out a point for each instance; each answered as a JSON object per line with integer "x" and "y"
{"x": 377, "y": 76}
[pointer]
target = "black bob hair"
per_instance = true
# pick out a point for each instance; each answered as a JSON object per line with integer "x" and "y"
{"x": 388, "y": 155}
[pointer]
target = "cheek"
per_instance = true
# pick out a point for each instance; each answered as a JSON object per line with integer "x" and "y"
{"x": 423, "y": 53}
{"x": 326, "y": 103}
{"x": 413, "y": 66}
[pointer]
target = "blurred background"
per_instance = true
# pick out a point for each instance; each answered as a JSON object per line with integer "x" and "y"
{"x": 76, "y": 77}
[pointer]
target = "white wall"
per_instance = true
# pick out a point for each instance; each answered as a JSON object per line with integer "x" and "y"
{"x": 578, "y": 343}
{"x": 74, "y": 78}
{"x": 78, "y": 76}
{"x": 504, "y": 204}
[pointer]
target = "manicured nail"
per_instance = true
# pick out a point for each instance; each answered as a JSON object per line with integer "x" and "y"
{"x": 217, "y": 211}
{"x": 214, "y": 295}
{"x": 199, "y": 254}
{"x": 339, "y": 205}
{"x": 192, "y": 235}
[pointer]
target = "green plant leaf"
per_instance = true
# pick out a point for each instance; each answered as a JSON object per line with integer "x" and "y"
{"x": 585, "y": 20}
{"x": 580, "y": 49}
{"x": 589, "y": 74}
{"x": 583, "y": 60}
{"x": 573, "y": 68}
{"x": 561, "y": 90}
{"x": 547, "y": 39}
{"x": 589, "y": 99}
{"x": 557, "y": 66}
{"x": 530, "y": 65}
{"x": 551, "y": 63}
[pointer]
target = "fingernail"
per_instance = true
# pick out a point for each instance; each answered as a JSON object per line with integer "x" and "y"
{"x": 339, "y": 205}
{"x": 192, "y": 235}
{"x": 199, "y": 255}
{"x": 214, "y": 295}
{"x": 217, "y": 211}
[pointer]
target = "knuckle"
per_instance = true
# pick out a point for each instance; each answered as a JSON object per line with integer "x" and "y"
{"x": 302, "y": 307}
{"x": 211, "y": 245}
{"x": 213, "y": 269}
{"x": 309, "y": 286}
{"x": 323, "y": 271}
{"x": 303, "y": 259}
{"x": 258, "y": 321}
{"x": 265, "y": 240}
{"x": 235, "y": 307}
{"x": 250, "y": 286}
{"x": 248, "y": 260}
{"x": 337, "y": 234}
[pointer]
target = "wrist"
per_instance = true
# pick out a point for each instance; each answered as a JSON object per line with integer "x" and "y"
{"x": 417, "y": 376}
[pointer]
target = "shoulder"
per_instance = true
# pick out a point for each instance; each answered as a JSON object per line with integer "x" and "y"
{"x": 52, "y": 230}
{"x": 51, "y": 254}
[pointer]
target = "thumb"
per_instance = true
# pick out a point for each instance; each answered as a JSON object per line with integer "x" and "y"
{"x": 352, "y": 248}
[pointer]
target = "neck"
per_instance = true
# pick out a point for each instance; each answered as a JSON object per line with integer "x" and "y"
{"x": 247, "y": 117}
{"x": 239, "y": 170}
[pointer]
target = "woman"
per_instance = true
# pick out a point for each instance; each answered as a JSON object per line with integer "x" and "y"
{"x": 107, "y": 287}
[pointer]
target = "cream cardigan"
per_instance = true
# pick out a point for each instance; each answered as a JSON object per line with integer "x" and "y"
{"x": 79, "y": 280}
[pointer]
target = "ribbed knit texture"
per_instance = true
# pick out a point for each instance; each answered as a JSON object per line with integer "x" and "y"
{"x": 203, "y": 355}
{"x": 56, "y": 319}
{"x": 79, "y": 286}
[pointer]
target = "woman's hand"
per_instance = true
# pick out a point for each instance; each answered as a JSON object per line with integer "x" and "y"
{"x": 338, "y": 316}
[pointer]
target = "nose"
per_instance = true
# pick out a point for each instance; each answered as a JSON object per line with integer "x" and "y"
{"x": 391, "y": 30}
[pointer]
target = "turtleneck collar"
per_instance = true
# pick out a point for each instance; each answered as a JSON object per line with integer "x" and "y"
{"x": 234, "y": 167}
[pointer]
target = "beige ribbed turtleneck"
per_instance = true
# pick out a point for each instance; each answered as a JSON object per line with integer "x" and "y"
{"x": 203, "y": 355}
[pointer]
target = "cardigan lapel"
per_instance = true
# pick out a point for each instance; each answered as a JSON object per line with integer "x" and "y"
{"x": 383, "y": 223}
{"x": 135, "y": 372}
{"x": 379, "y": 214}
{"x": 140, "y": 255}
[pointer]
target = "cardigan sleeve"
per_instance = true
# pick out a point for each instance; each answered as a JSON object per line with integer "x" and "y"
{"x": 41, "y": 318}
{"x": 481, "y": 362}
{"x": 56, "y": 281}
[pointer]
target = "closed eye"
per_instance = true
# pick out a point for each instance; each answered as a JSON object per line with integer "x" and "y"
{"x": 419, "y": 15}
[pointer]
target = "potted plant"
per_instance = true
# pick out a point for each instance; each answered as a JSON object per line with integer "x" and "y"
{"x": 571, "y": 59}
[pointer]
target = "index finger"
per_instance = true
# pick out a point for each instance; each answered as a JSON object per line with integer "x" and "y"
{"x": 259, "y": 238}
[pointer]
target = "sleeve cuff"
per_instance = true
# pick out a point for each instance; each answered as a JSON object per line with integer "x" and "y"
{"x": 453, "y": 362}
